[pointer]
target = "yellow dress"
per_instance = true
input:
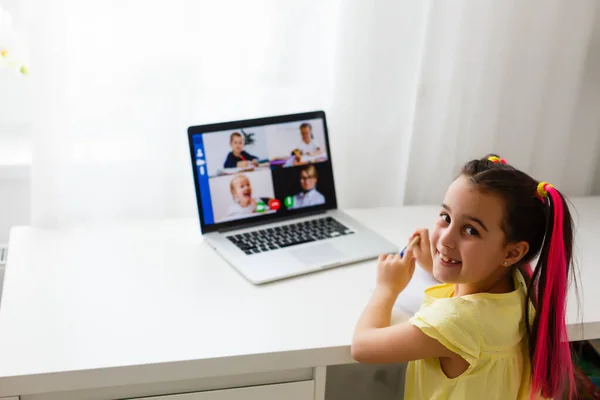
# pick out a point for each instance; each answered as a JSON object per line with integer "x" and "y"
{"x": 488, "y": 331}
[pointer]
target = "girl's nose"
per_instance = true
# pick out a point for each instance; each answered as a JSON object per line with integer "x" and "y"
{"x": 447, "y": 238}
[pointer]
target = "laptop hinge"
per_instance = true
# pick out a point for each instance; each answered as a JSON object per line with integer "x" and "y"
{"x": 276, "y": 220}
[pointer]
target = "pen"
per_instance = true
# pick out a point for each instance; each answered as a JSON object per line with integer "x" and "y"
{"x": 412, "y": 243}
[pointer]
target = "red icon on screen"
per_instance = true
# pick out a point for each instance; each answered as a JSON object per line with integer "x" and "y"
{"x": 274, "y": 204}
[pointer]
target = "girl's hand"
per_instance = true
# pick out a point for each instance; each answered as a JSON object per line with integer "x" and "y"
{"x": 422, "y": 251}
{"x": 394, "y": 272}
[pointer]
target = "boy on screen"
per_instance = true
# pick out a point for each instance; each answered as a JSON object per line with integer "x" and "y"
{"x": 237, "y": 157}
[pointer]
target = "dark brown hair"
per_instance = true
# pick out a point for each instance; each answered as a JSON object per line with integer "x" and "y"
{"x": 311, "y": 170}
{"x": 545, "y": 223}
{"x": 234, "y": 134}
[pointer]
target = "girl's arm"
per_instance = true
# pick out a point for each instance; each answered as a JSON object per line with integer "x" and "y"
{"x": 375, "y": 339}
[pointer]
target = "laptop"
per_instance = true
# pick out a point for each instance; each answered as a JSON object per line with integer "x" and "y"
{"x": 267, "y": 201}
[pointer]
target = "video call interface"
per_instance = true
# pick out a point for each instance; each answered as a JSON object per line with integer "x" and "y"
{"x": 255, "y": 171}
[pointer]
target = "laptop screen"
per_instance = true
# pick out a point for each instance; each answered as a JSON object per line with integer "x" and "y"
{"x": 261, "y": 169}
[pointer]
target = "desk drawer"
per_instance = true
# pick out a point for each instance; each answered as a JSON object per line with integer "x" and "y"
{"x": 304, "y": 390}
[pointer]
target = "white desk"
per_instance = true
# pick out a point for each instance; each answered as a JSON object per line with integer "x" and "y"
{"x": 145, "y": 308}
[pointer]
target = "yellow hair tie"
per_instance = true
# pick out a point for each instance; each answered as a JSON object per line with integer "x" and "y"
{"x": 497, "y": 160}
{"x": 542, "y": 189}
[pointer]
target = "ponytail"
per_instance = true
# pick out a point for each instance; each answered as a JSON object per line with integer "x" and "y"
{"x": 544, "y": 222}
{"x": 548, "y": 341}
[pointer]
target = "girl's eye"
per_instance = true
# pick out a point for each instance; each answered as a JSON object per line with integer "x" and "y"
{"x": 471, "y": 231}
{"x": 445, "y": 217}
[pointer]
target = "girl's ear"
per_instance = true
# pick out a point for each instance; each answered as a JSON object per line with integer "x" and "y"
{"x": 515, "y": 253}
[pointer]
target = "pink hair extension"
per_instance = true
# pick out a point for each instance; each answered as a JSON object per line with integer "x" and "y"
{"x": 552, "y": 339}
{"x": 528, "y": 271}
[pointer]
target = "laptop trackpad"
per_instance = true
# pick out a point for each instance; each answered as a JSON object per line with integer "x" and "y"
{"x": 319, "y": 254}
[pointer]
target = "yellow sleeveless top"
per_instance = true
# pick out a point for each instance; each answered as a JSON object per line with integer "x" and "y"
{"x": 488, "y": 331}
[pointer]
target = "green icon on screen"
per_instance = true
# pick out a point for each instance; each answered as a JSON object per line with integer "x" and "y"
{"x": 289, "y": 202}
{"x": 260, "y": 207}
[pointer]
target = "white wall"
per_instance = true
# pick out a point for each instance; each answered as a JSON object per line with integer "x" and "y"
{"x": 14, "y": 205}
{"x": 144, "y": 109}
{"x": 14, "y": 209}
{"x": 106, "y": 85}
{"x": 15, "y": 126}
{"x": 15, "y": 98}
{"x": 378, "y": 69}
{"x": 590, "y": 115}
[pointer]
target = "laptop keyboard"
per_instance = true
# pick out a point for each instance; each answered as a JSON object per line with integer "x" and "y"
{"x": 289, "y": 235}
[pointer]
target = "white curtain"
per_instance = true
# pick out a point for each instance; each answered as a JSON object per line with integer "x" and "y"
{"x": 120, "y": 81}
{"x": 412, "y": 90}
{"x": 521, "y": 78}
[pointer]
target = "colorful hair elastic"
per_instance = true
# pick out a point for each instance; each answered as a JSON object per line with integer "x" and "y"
{"x": 497, "y": 160}
{"x": 542, "y": 190}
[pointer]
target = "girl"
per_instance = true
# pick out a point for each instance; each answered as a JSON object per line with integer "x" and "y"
{"x": 493, "y": 330}
{"x": 308, "y": 146}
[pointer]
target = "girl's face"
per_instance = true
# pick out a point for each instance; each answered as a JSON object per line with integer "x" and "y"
{"x": 468, "y": 243}
{"x": 242, "y": 191}
{"x": 306, "y": 132}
